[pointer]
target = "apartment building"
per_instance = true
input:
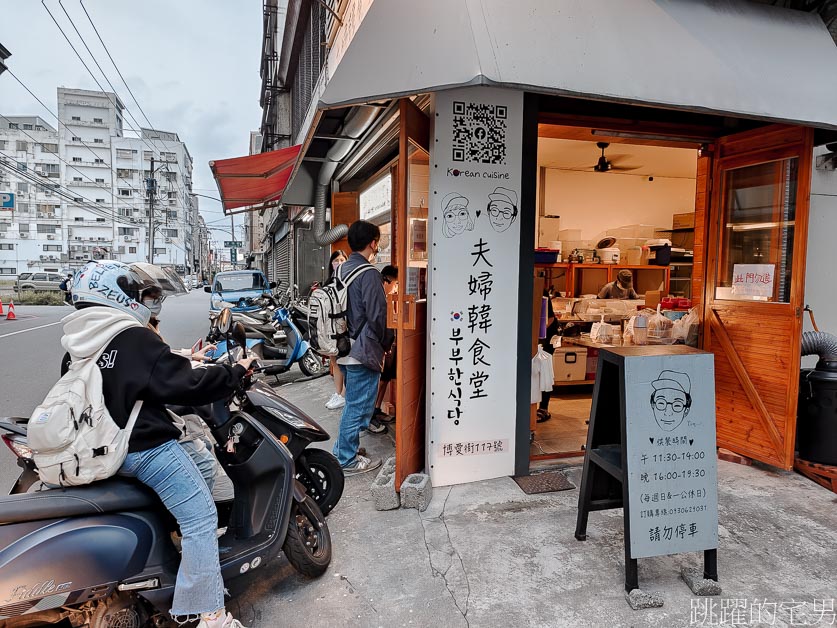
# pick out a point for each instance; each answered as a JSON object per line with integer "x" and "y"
{"x": 81, "y": 191}
{"x": 31, "y": 232}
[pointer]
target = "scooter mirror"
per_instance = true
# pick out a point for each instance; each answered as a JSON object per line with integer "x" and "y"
{"x": 273, "y": 284}
{"x": 239, "y": 335}
{"x": 225, "y": 320}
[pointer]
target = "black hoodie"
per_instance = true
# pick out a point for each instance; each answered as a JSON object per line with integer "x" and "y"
{"x": 137, "y": 364}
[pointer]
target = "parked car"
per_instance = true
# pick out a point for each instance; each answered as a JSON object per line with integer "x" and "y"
{"x": 195, "y": 282}
{"x": 237, "y": 289}
{"x": 39, "y": 281}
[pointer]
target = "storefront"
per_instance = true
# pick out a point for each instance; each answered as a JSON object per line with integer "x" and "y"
{"x": 477, "y": 174}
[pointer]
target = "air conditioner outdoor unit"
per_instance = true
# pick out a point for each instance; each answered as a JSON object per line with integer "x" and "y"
{"x": 168, "y": 240}
{"x": 24, "y": 235}
{"x": 126, "y": 238}
{"x": 50, "y": 237}
{"x": 78, "y": 237}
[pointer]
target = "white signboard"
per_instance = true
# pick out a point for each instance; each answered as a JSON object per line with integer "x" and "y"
{"x": 753, "y": 280}
{"x": 376, "y": 200}
{"x": 475, "y": 176}
{"x": 672, "y": 465}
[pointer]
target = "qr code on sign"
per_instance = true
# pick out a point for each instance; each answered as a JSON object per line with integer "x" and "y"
{"x": 479, "y": 133}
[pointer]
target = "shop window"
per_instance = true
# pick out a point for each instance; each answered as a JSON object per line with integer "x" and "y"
{"x": 756, "y": 247}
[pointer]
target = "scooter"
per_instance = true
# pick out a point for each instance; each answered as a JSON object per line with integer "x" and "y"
{"x": 316, "y": 469}
{"x": 260, "y": 340}
{"x": 102, "y": 555}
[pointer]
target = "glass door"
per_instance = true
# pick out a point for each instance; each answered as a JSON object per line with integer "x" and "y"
{"x": 755, "y": 280}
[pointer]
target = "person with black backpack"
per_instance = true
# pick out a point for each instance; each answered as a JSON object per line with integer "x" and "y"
{"x": 367, "y": 329}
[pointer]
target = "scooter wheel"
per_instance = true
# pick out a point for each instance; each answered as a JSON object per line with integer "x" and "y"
{"x": 308, "y": 542}
{"x": 311, "y": 364}
{"x": 320, "y": 473}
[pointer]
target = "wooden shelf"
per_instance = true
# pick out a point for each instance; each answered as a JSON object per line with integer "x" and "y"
{"x": 571, "y": 280}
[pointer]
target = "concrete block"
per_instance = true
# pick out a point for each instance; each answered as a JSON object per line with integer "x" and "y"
{"x": 389, "y": 465}
{"x": 416, "y": 491}
{"x": 383, "y": 488}
{"x": 640, "y": 600}
{"x": 697, "y": 583}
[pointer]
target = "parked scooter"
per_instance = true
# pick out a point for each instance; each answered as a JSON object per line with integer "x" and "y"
{"x": 264, "y": 341}
{"x": 102, "y": 555}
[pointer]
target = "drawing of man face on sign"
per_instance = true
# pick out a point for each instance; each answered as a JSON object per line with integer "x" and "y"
{"x": 456, "y": 216}
{"x": 502, "y": 209}
{"x": 671, "y": 399}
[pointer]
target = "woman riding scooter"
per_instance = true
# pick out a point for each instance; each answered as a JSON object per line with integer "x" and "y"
{"x": 137, "y": 365}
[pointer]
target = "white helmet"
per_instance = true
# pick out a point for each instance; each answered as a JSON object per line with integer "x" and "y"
{"x": 124, "y": 286}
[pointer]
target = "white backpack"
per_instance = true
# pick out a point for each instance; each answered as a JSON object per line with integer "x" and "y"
{"x": 328, "y": 306}
{"x": 74, "y": 439}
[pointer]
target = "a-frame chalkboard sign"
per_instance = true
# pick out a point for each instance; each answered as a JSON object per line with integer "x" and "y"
{"x": 651, "y": 451}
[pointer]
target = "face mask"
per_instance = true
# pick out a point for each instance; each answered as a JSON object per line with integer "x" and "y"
{"x": 154, "y": 305}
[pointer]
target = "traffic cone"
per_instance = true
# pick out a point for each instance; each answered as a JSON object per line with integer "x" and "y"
{"x": 11, "y": 315}
{"x": 2, "y": 313}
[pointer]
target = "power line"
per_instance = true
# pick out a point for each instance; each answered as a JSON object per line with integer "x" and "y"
{"x": 124, "y": 82}
{"x": 105, "y": 76}
{"x": 89, "y": 71}
{"x": 60, "y": 124}
{"x": 69, "y": 165}
{"x": 32, "y": 178}
{"x": 61, "y": 191}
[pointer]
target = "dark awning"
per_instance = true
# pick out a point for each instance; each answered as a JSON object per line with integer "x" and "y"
{"x": 254, "y": 179}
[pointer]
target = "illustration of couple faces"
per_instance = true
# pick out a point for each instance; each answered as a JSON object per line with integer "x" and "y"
{"x": 457, "y": 217}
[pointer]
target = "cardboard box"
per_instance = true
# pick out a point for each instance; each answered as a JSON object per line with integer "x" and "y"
{"x": 683, "y": 221}
{"x": 652, "y": 299}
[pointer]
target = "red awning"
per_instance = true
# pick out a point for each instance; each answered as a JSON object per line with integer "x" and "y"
{"x": 255, "y": 179}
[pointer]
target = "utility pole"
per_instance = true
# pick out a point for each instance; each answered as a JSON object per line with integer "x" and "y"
{"x": 232, "y": 237}
{"x": 150, "y": 189}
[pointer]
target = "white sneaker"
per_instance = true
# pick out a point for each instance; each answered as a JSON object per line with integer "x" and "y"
{"x": 224, "y": 621}
{"x": 336, "y": 401}
{"x": 361, "y": 464}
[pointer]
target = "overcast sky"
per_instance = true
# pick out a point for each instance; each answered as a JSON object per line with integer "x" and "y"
{"x": 192, "y": 64}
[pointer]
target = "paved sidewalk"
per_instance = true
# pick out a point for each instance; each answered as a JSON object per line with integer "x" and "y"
{"x": 486, "y": 554}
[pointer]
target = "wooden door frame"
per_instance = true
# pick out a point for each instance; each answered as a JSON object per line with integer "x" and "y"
{"x": 803, "y": 150}
{"x": 414, "y": 127}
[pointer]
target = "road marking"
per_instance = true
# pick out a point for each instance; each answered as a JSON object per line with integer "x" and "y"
{"x": 22, "y": 331}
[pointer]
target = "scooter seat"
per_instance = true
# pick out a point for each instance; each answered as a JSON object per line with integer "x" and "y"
{"x": 100, "y": 497}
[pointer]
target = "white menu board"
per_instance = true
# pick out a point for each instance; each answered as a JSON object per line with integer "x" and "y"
{"x": 475, "y": 177}
{"x": 672, "y": 464}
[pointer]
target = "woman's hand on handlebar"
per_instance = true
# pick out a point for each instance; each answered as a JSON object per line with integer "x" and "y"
{"x": 247, "y": 363}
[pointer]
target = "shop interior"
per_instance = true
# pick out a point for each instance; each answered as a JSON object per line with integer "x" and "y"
{"x": 606, "y": 204}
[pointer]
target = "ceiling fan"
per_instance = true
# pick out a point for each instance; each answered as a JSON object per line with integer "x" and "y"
{"x": 606, "y": 165}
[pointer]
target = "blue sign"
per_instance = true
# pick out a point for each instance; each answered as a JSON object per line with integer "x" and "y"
{"x": 7, "y": 200}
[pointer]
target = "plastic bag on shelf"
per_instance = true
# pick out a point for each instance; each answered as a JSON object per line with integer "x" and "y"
{"x": 659, "y": 326}
{"x": 682, "y": 328}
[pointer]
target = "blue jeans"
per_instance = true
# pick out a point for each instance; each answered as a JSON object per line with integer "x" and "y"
{"x": 170, "y": 472}
{"x": 361, "y": 390}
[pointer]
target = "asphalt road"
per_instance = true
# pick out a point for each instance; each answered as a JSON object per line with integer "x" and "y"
{"x": 30, "y": 355}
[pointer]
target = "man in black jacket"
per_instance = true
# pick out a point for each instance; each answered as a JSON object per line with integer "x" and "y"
{"x": 114, "y": 303}
{"x": 367, "y": 322}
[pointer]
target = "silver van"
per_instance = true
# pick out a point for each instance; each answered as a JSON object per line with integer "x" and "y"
{"x": 39, "y": 281}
